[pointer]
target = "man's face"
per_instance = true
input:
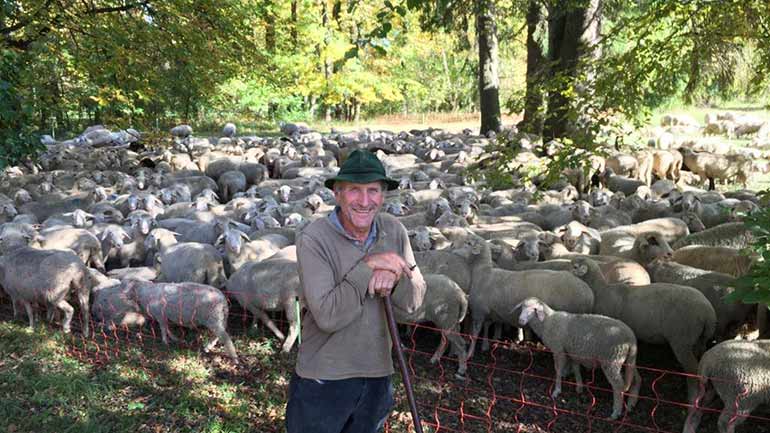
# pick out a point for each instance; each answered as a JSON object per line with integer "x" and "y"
{"x": 359, "y": 204}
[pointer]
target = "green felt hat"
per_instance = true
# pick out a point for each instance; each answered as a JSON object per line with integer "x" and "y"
{"x": 362, "y": 166}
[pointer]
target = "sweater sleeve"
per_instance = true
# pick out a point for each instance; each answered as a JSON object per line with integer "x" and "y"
{"x": 409, "y": 293}
{"x": 333, "y": 306}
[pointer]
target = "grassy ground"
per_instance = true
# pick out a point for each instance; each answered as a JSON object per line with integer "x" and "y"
{"x": 50, "y": 382}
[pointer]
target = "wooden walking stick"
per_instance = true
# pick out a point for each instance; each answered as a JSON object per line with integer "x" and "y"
{"x": 402, "y": 363}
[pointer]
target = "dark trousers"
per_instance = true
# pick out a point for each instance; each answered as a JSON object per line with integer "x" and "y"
{"x": 357, "y": 405}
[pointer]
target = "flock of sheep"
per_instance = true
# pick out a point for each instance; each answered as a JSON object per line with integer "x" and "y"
{"x": 174, "y": 232}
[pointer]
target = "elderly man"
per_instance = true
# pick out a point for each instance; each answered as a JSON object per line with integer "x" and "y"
{"x": 342, "y": 380}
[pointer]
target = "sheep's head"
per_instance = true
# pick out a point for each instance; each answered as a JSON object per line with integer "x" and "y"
{"x": 141, "y": 223}
{"x": 293, "y": 220}
{"x": 581, "y": 211}
{"x": 420, "y": 239}
{"x": 313, "y": 202}
{"x": 133, "y": 201}
{"x": 467, "y": 209}
{"x": 98, "y": 194}
{"x": 152, "y": 204}
{"x": 395, "y": 208}
{"x": 528, "y": 250}
{"x": 80, "y": 218}
{"x": 439, "y": 207}
{"x": 167, "y": 196}
{"x": 115, "y": 236}
{"x": 531, "y": 308}
{"x": 8, "y": 210}
{"x": 405, "y": 183}
{"x": 581, "y": 266}
{"x": 651, "y": 245}
{"x": 284, "y": 193}
{"x": 209, "y": 194}
{"x": 471, "y": 247}
{"x": 233, "y": 240}
{"x": 22, "y": 196}
{"x": 694, "y": 223}
{"x": 600, "y": 197}
{"x": 691, "y": 203}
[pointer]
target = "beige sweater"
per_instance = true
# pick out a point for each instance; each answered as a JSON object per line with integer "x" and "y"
{"x": 344, "y": 332}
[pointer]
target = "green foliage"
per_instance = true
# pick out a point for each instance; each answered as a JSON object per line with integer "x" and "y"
{"x": 17, "y": 140}
{"x": 755, "y": 286}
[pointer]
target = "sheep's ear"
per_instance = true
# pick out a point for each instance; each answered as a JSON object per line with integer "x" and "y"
{"x": 244, "y": 236}
{"x": 220, "y": 240}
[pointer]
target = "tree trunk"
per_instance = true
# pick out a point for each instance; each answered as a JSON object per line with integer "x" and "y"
{"x": 269, "y": 27}
{"x": 489, "y": 81}
{"x": 294, "y": 24}
{"x": 327, "y": 65}
{"x": 537, "y": 66}
{"x": 572, "y": 32}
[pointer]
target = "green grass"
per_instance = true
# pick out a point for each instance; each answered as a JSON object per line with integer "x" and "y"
{"x": 50, "y": 382}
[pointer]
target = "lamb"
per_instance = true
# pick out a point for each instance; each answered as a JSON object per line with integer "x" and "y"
{"x": 270, "y": 285}
{"x": 678, "y": 315}
{"x": 714, "y": 285}
{"x": 726, "y": 260}
{"x": 587, "y": 340}
{"x": 739, "y": 372}
{"x": 184, "y": 304}
{"x": 30, "y": 275}
{"x": 445, "y": 305}
{"x": 641, "y": 248}
{"x": 191, "y": 262}
{"x": 732, "y": 235}
{"x": 495, "y": 291}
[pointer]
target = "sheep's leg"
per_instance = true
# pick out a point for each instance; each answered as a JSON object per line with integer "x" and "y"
{"x": 612, "y": 371}
{"x": 30, "y": 313}
{"x": 694, "y": 413}
{"x": 83, "y": 298}
{"x": 728, "y": 419}
{"x": 261, "y": 315}
{"x": 685, "y": 355}
{"x": 166, "y": 334}
{"x": 441, "y": 347}
{"x": 68, "y": 312}
{"x": 633, "y": 392}
{"x": 578, "y": 375}
{"x": 291, "y": 317}
{"x": 458, "y": 347}
{"x": 475, "y": 330}
{"x": 559, "y": 359}
{"x": 228, "y": 343}
{"x": 485, "y": 341}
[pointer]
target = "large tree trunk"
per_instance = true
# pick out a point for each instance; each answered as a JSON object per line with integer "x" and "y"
{"x": 489, "y": 81}
{"x": 327, "y": 64}
{"x": 537, "y": 65}
{"x": 572, "y": 32}
{"x": 269, "y": 18}
{"x": 294, "y": 24}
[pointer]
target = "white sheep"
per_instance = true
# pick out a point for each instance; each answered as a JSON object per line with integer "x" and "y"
{"x": 184, "y": 304}
{"x": 587, "y": 340}
{"x": 739, "y": 372}
{"x": 445, "y": 304}
{"x": 495, "y": 291}
{"x": 657, "y": 313}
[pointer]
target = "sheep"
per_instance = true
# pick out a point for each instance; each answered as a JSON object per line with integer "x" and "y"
{"x": 445, "y": 305}
{"x": 181, "y": 131}
{"x": 229, "y": 130}
{"x": 238, "y": 252}
{"x": 231, "y": 183}
{"x": 495, "y": 291}
{"x": 706, "y": 165}
{"x": 620, "y": 183}
{"x": 619, "y": 240}
{"x": 641, "y": 248}
{"x": 184, "y": 304}
{"x": 192, "y": 231}
{"x": 270, "y": 285}
{"x": 657, "y": 313}
{"x": 587, "y": 340}
{"x": 81, "y": 241}
{"x": 193, "y": 262}
{"x": 732, "y": 235}
{"x": 624, "y": 165}
{"x": 727, "y": 260}
{"x": 112, "y": 305}
{"x": 30, "y": 275}
{"x": 738, "y": 372}
{"x": 447, "y": 263}
{"x": 666, "y": 164}
{"x": 714, "y": 285}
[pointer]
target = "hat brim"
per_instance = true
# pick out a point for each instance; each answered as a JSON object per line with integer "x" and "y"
{"x": 362, "y": 178}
